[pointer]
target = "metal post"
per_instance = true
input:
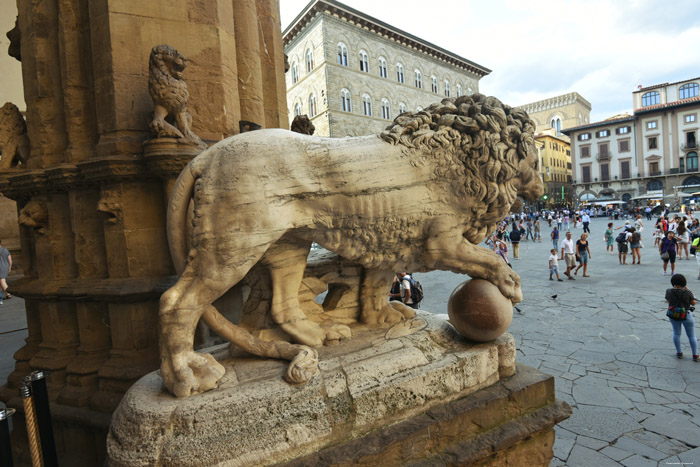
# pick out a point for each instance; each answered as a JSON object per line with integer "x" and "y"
{"x": 5, "y": 447}
{"x": 43, "y": 417}
{"x": 32, "y": 428}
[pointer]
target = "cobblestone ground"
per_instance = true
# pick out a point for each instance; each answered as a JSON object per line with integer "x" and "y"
{"x": 607, "y": 341}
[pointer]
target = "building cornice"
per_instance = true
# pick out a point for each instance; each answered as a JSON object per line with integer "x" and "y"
{"x": 554, "y": 102}
{"x": 670, "y": 105}
{"x": 663, "y": 85}
{"x": 334, "y": 8}
{"x": 610, "y": 122}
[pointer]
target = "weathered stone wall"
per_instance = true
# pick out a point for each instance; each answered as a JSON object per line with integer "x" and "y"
{"x": 328, "y": 77}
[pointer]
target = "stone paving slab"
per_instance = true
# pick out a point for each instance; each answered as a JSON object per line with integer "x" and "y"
{"x": 609, "y": 345}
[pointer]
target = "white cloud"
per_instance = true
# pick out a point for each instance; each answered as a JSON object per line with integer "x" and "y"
{"x": 601, "y": 49}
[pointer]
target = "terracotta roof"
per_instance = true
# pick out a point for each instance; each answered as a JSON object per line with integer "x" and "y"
{"x": 655, "y": 86}
{"x": 610, "y": 122}
{"x": 680, "y": 103}
{"x": 319, "y": 6}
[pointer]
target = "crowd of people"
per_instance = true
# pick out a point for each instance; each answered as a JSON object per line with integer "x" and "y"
{"x": 676, "y": 237}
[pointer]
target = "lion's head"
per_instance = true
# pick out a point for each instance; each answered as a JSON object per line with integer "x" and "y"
{"x": 302, "y": 124}
{"x": 485, "y": 149}
{"x": 165, "y": 58}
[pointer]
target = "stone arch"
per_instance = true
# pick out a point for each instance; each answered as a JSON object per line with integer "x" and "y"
{"x": 655, "y": 185}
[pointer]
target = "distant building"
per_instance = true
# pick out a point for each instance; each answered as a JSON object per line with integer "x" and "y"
{"x": 352, "y": 74}
{"x": 559, "y": 112}
{"x": 648, "y": 157}
{"x": 556, "y": 168}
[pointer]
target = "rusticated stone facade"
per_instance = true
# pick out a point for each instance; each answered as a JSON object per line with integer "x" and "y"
{"x": 559, "y": 112}
{"x": 92, "y": 196}
{"x": 337, "y": 36}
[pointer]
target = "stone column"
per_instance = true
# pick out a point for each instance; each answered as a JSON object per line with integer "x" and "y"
{"x": 250, "y": 76}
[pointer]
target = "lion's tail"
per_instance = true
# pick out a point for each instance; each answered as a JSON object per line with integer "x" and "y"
{"x": 178, "y": 206}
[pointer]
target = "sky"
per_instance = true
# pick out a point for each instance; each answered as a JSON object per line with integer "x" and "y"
{"x": 538, "y": 49}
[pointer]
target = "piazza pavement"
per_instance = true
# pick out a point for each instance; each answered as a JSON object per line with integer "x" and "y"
{"x": 605, "y": 339}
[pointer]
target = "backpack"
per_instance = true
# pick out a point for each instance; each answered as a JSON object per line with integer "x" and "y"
{"x": 515, "y": 236}
{"x": 636, "y": 237}
{"x": 621, "y": 237}
{"x": 416, "y": 290}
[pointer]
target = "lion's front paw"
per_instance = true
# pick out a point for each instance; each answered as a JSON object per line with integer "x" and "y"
{"x": 391, "y": 313}
{"x": 188, "y": 372}
{"x": 508, "y": 282}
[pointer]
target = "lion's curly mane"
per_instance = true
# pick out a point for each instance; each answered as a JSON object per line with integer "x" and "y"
{"x": 476, "y": 142}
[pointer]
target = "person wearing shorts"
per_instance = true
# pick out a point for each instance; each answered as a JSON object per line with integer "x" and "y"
{"x": 668, "y": 245}
{"x": 583, "y": 253}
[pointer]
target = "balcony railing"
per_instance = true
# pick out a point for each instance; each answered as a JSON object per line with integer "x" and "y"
{"x": 689, "y": 146}
{"x": 603, "y": 156}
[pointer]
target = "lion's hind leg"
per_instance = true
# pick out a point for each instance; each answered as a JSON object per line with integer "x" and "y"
{"x": 376, "y": 309}
{"x": 287, "y": 262}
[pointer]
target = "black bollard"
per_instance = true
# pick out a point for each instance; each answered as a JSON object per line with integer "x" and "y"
{"x": 43, "y": 418}
{"x": 5, "y": 448}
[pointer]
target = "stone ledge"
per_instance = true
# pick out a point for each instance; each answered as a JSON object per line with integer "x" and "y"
{"x": 365, "y": 385}
{"x": 477, "y": 429}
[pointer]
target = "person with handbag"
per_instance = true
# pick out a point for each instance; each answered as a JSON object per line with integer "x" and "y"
{"x": 680, "y": 307}
{"x": 667, "y": 250}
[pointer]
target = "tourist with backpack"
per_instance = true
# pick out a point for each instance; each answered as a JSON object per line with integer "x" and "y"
{"x": 681, "y": 303}
{"x": 622, "y": 239}
{"x": 636, "y": 246}
{"x": 411, "y": 291}
{"x": 515, "y": 241}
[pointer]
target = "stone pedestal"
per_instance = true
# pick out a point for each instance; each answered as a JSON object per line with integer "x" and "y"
{"x": 414, "y": 393}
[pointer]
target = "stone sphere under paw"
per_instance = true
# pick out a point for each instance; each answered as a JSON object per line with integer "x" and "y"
{"x": 479, "y": 311}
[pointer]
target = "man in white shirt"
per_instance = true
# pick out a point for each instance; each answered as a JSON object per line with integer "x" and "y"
{"x": 406, "y": 289}
{"x": 586, "y": 219}
{"x": 568, "y": 254}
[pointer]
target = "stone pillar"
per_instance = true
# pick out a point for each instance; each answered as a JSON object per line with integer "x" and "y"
{"x": 93, "y": 234}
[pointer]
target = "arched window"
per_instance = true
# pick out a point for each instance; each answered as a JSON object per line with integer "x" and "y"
{"x": 399, "y": 73}
{"x": 309, "y": 60}
{"x": 418, "y": 79}
{"x": 650, "y": 98}
{"x": 345, "y": 103}
{"x": 447, "y": 88}
{"x": 367, "y": 105}
{"x": 655, "y": 185}
{"x": 556, "y": 124}
{"x": 382, "y": 67}
{"x": 459, "y": 90}
{"x": 364, "y": 61}
{"x": 469, "y": 91}
{"x": 386, "y": 109}
{"x": 342, "y": 54}
{"x": 295, "y": 73}
{"x": 402, "y": 107}
{"x": 433, "y": 84}
{"x": 688, "y": 90}
{"x": 297, "y": 110}
{"x": 691, "y": 162}
{"x": 312, "y": 105}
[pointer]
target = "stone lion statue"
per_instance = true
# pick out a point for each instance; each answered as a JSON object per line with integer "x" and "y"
{"x": 170, "y": 96}
{"x": 14, "y": 142}
{"x": 420, "y": 196}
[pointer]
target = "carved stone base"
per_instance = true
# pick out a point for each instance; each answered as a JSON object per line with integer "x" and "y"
{"x": 385, "y": 397}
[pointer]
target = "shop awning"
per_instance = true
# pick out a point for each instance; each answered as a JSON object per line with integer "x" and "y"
{"x": 648, "y": 197}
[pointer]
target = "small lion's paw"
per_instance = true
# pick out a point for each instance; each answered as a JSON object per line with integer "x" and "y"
{"x": 188, "y": 372}
{"x": 335, "y": 333}
{"x": 390, "y": 313}
{"x": 303, "y": 366}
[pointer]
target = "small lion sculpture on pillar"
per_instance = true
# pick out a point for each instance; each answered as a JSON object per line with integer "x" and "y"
{"x": 170, "y": 95}
{"x": 420, "y": 196}
{"x": 14, "y": 142}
